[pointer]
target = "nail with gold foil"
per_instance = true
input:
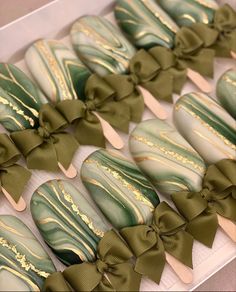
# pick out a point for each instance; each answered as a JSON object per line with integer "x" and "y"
{"x": 81, "y": 239}
{"x": 24, "y": 264}
{"x": 181, "y": 52}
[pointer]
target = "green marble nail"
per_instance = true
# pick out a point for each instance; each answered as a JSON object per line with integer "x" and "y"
{"x": 24, "y": 265}
{"x": 67, "y": 221}
{"x": 20, "y": 99}
{"x": 57, "y": 70}
{"x": 101, "y": 46}
{"x": 206, "y": 126}
{"x": 166, "y": 158}
{"x": 226, "y": 91}
{"x": 187, "y": 12}
{"x": 119, "y": 189}
{"x": 145, "y": 23}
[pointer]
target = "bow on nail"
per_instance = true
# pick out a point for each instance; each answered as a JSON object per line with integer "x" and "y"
{"x": 150, "y": 242}
{"x": 100, "y": 99}
{"x": 218, "y": 195}
{"x": 189, "y": 52}
{"x": 13, "y": 177}
{"x": 44, "y": 147}
{"x": 152, "y": 74}
{"x": 221, "y": 34}
{"x": 112, "y": 271}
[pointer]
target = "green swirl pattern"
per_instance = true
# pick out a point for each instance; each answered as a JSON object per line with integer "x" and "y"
{"x": 206, "y": 126}
{"x": 226, "y": 91}
{"x": 101, "y": 46}
{"x": 20, "y": 99}
{"x": 187, "y": 12}
{"x": 67, "y": 222}
{"x": 145, "y": 23}
{"x": 119, "y": 189}
{"x": 57, "y": 70}
{"x": 24, "y": 265}
{"x": 167, "y": 159}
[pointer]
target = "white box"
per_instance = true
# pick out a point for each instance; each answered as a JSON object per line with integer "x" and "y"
{"x": 53, "y": 21}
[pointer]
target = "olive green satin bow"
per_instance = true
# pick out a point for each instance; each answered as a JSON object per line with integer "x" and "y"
{"x": 221, "y": 34}
{"x": 189, "y": 52}
{"x": 151, "y": 72}
{"x": 112, "y": 271}
{"x": 101, "y": 99}
{"x": 13, "y": 177}
{"x": 44, "y": 147}
{"x": 149, "y": 242}
{"x": 218, "y": 195}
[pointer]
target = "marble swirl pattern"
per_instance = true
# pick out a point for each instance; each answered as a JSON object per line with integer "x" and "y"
{"x": 67, "y": 222}
{"x": 187, "y": 12}
{"x": 101, "y": 46}
{"x": 206, "y": 126}
{"x": 57, "y": 70}
{"x": 145, "y": 23}
{"x": 20, "y": 99}
{"x": 24, "y": 265}
{"x": 166, "y": 158}
{"x": 226, "y": 91}
{"x": 118, "y": 188}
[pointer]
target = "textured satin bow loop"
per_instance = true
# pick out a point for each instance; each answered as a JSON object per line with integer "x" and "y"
{"x": 150, "y": 71}
{"x": 101, "y": 98}
{"x": 127, "y": 93}
{"x": 191, "y": 53}
{"x": 224, "y": 25}
{"x": 216, "y": 196}
{"x": 112, "y": 271}
{"x": 46, "y": 146}
{"x": 149, "y": 243}
{"x": 10, "y": 172}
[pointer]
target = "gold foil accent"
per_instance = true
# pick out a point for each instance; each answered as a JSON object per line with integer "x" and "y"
{"x": 138, "y": 195}
{"x": 206, "y": 4}
{"x": 189, "y": 17}
{"x": 212, "y": 130}
{"x": 229, "y": 80}
{"x": 84, "y": 217}
{"x": 56, "y": 72}
{"x": 170, "y": 153}
{"x": 21, "y": 258}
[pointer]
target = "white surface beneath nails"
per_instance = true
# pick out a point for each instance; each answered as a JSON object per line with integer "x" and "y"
{"x": 206, "y": 261}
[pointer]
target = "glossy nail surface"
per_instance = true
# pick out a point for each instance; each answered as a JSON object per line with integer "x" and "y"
{"x": 166, "y": 158}
{"x": 24, "y": 265}
{"x": 67, "y": 221}
{"x": 206, "y": 126}
{"x": 119, "y": 189}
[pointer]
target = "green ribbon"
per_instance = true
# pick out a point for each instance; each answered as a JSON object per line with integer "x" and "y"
{"x": 13, "y": 177}
{"x": 151, "y": 72}
{"x": 44, "y": 147}
{"x": 102, "y": 99}
{"x": 218, "y": 196}
{"x": 150, "y": 242}
{"x": 112, "y": 271}
{"x": 221, "y": 34}
{"x": 163, "y": 71}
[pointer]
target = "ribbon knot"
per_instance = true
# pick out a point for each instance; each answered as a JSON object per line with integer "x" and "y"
{"x": 114, "y": 261}
{"x": 166, "y": 234}
{"x": 10, "y": 172}
{"x": 102, "y": 267}
{"x": 43, "y": 132}
{"x": 46, "y": 145}
{"x": 217, "y": 196}
{"x": 90, "y": 105}
{"x": 100, "y": 98}
{"x": 134, "y": 78}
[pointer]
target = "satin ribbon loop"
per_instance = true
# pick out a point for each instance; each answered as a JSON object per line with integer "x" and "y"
{"x": 10, "y": 172}
{"x": 111, "y": 272}
{"x": 149, "y": 243}
{"x": 217, "y": 196}
{"x": 225, "y": 19}
{"x": 46, "y": 145}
